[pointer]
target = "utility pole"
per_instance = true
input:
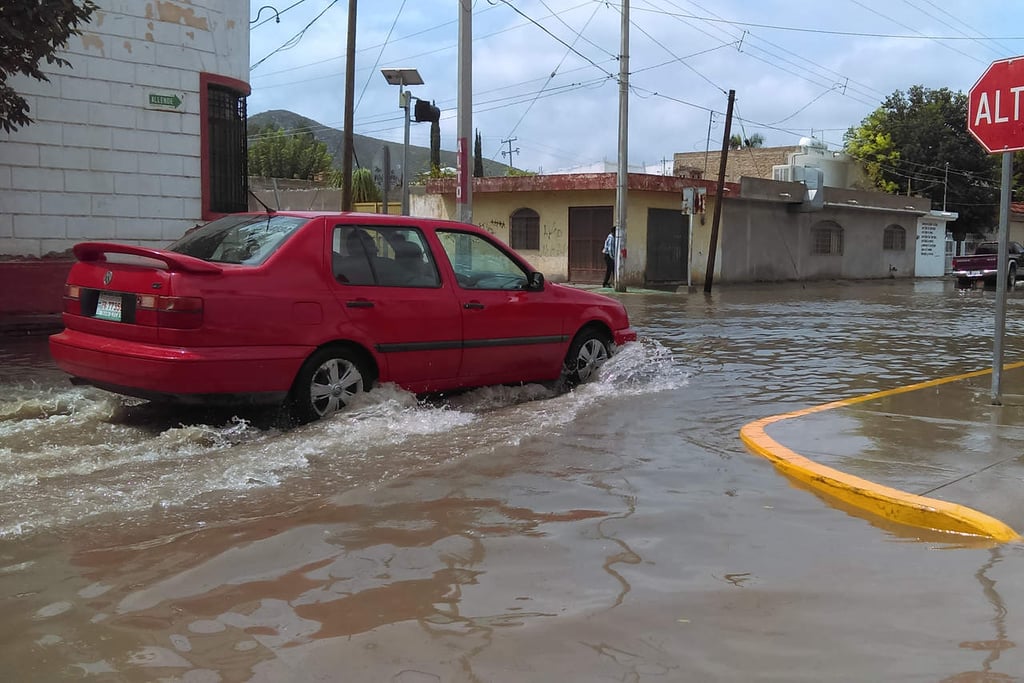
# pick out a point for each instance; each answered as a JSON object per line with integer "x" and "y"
{"x": 510, "y": 152}
{"x": 623, "y": 174}
{"x": 707, "y": 144}
{"x": 464, "y": 171}
{"x": 945, "y": 183}
{"x": 405, "y": 101}
{"x": 350, "y": 81}
{"x": 709, "y": 275}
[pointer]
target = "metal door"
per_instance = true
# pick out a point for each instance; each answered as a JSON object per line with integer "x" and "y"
{"x": 668, "y": 252}
{"x": 588, "y": 227}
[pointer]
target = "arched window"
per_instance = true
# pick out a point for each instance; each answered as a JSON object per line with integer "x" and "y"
{"x": 524, "y": 229}
{"x": 827, "y": 238}
{"x": 895, "y": 238}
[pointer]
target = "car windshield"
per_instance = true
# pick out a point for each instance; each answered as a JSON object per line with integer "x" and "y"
{"x": 243, "y": 239}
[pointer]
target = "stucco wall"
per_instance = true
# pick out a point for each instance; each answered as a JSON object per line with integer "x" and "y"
{"x": 101, "y": 162}
{"x": 491, "y": 211}
{"x": 763, "y": 241}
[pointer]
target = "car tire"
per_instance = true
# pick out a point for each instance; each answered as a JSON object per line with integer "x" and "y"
{"x": 327, "y": 382}
{"x": 1011, "y": 277}
{"x": 588, "y": 351}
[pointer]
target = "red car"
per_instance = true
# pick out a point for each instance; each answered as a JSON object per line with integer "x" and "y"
{"x": 308, "y": 308}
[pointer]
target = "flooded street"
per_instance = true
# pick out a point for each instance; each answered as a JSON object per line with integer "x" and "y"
{"x": 621, "y": 532}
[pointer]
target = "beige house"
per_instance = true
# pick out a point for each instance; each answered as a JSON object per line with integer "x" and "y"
{"x": 559, "y": 223}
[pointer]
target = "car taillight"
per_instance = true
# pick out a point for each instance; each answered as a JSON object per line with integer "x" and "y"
{"x": 179, "y": 312}
{"x": 72, "y": 299}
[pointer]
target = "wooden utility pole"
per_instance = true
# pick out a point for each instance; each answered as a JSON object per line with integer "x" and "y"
{"x": 709, "y": 274}
{"x": 350, "y": 82}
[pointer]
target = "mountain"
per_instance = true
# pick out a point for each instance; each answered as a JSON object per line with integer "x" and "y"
{"x": 366, "y": 149}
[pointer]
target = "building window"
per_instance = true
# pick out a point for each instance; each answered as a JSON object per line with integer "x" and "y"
{"x": 827, "y": 238}
{"x": 524, "y": 231}
{"x": 895, "y": 238}
{"x": 224, "y": 147}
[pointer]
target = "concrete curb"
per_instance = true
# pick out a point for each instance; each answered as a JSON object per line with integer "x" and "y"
{"x": 30, "y": 325}
{"x": 886, "y": 502}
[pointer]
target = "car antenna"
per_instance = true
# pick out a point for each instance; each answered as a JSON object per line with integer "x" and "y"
{"x": 254, "y": 196}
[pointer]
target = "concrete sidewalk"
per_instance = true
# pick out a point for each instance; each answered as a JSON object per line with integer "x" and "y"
{"x": 934, "y": 455}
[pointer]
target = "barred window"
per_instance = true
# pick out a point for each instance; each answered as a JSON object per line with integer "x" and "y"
{"x": 225, "y": 147}
{"x": 524, "y": 229}
{"x": 827, "y": 238}
{"x": 894, "y": 239}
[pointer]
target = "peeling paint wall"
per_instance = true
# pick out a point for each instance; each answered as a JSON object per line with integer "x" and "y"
{"x": 100, "y": 161}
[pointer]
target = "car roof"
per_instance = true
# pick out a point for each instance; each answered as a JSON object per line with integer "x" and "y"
{"x": 364, "y": 217}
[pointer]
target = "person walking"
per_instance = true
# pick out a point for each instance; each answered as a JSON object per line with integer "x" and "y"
{"x": 609, "y": 257}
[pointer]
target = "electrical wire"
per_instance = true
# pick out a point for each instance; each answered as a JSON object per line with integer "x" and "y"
{"x": 579, "y": 35}
{"x": 296, "y": 39}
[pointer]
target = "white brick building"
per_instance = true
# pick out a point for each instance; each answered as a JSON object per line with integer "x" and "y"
{"x": 141, "y": 139}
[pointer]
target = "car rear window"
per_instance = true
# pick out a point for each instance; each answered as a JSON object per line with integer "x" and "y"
{"x": 239, "y": 239}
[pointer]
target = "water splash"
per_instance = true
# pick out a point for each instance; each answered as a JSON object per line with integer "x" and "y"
{"x": 73, "y": 454}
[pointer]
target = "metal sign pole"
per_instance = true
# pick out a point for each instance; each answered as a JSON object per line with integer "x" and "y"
{"x": 1001, "y": 273}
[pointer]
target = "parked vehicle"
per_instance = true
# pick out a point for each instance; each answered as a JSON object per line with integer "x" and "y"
{"x": 308, "y": 308}
{"x": 983, "y": 265}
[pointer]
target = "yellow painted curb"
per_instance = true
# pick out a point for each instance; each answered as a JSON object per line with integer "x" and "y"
{"x": 889, "y": 503}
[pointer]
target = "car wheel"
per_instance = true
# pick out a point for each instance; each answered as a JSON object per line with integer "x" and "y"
{"x": 327, "y": 382}
{"x": 588, "y": 351}
{"x": 1011, "y": 277}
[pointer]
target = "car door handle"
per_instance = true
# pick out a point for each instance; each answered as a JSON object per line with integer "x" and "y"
{"x": 359, "y": 303}
{"x": 476, "y": 305}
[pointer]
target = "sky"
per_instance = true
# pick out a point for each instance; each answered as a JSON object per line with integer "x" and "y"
{"x": 545, "y": 73}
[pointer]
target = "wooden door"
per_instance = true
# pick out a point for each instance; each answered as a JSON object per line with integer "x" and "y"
{"x": 588, "y": 227}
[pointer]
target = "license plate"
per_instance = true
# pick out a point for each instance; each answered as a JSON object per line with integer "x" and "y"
{"x": 108, "y": 306}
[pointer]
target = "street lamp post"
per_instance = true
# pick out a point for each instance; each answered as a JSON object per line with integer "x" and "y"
{"x": 402, "y": 78}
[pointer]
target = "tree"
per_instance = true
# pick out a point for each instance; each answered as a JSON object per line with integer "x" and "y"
{"x": 31, "y": 31}
{"x": 435, "y": 144}
{"x": 364, "y": 189}
{"x": 478, "y": 157}
{"x": 906, "y": 144}
{"x": 276, "y": 153}
{"x": 736, "y": 141}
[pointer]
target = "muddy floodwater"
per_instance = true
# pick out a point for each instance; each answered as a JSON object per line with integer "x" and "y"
{"x": 621, "y": 532}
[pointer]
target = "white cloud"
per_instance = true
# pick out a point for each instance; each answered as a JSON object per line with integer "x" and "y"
{"x": 807, "y": 70}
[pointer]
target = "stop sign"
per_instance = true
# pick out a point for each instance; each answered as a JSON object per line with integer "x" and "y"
{"x": 995, "y": 107}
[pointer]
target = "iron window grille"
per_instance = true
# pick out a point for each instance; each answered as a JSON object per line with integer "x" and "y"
{"x": 524, "y": 230}
{"x": 228, "y": 150}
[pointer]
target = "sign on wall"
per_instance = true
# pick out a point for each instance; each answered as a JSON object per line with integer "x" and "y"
{"x": 165, "y": 100}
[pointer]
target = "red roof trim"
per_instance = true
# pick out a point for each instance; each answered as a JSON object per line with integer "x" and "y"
{"x": 570, "y": 182}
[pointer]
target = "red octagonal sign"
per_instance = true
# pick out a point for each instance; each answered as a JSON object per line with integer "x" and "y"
{"x": 995, "y": 106}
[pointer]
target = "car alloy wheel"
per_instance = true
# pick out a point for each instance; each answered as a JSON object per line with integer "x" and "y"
{"x": 327, "y": 382}
{"x": 588, "y": 351}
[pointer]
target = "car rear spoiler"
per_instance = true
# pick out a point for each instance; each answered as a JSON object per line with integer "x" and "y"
{"x": 97, "y": 251}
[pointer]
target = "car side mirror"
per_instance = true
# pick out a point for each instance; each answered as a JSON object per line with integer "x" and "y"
{"x": 535, "y": 282}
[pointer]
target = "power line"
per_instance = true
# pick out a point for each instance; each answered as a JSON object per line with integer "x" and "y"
{"x": 294, "y": 40}
{"x": 822, "y": 31}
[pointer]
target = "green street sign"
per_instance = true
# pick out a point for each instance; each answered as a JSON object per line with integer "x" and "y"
{"x": 164, "y": 100}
